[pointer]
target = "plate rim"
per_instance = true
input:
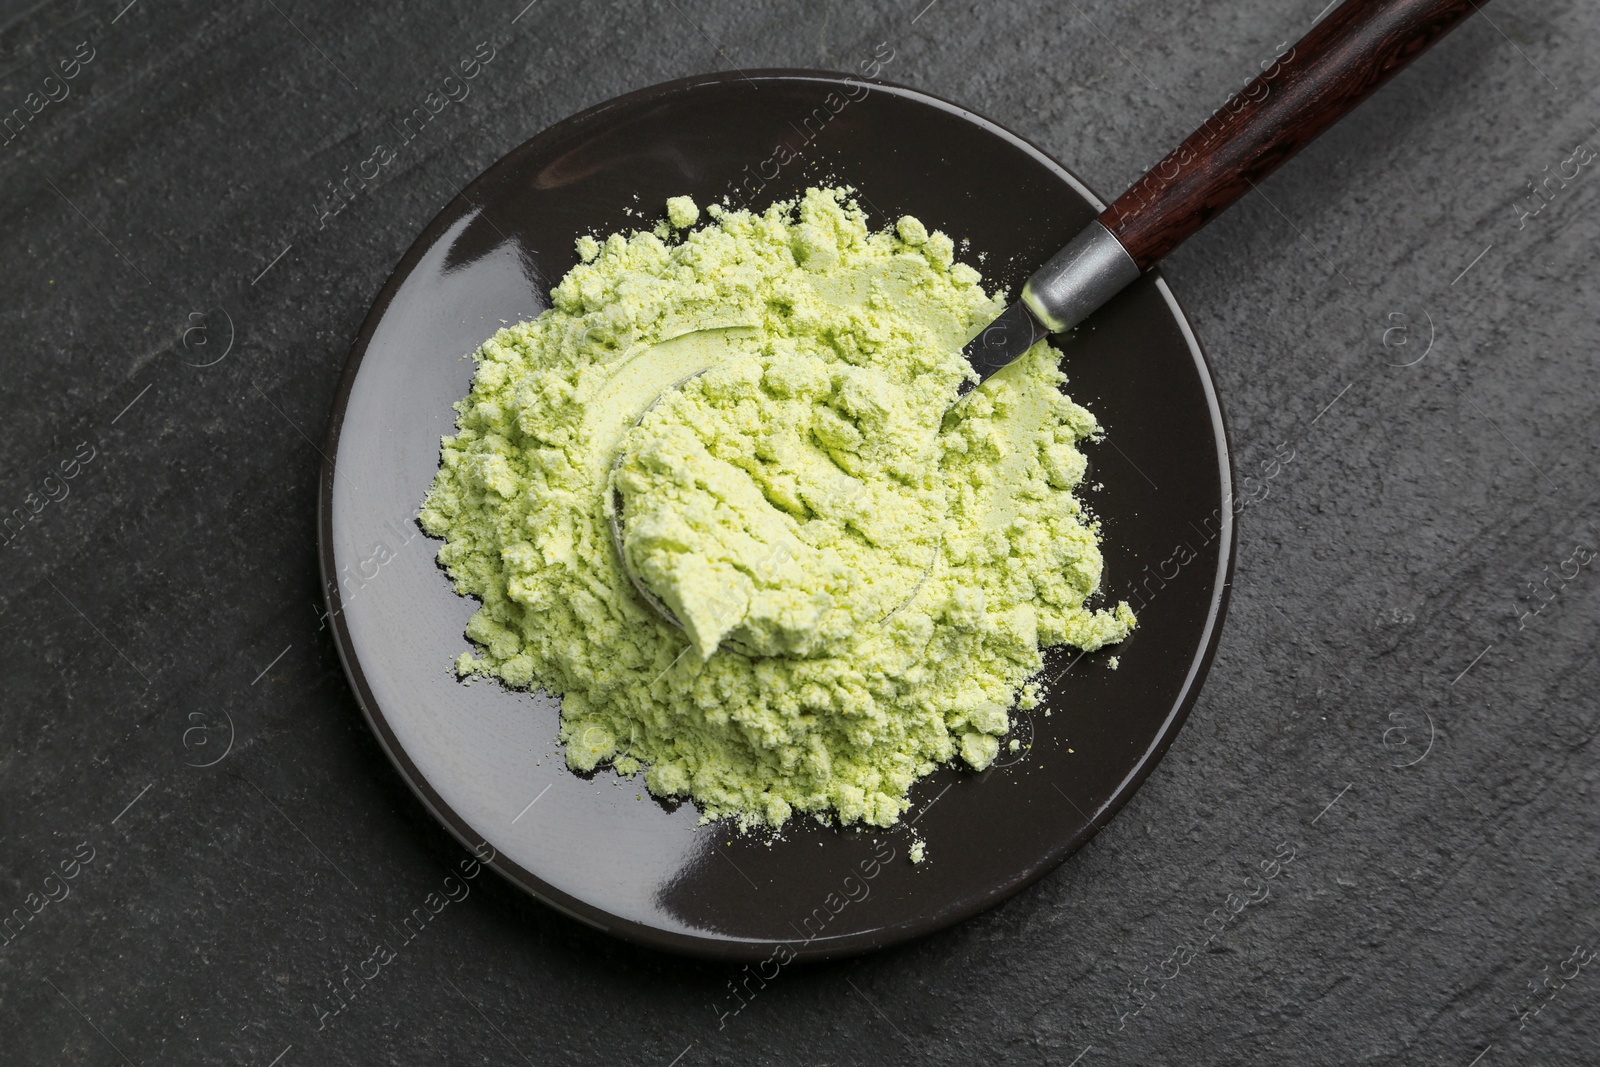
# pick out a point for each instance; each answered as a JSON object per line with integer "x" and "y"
{"x": 722, "y": 948}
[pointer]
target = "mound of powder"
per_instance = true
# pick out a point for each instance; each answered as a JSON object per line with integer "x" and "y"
{"x": 866, "y": 582}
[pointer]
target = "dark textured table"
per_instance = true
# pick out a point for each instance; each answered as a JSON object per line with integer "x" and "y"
{"x": 202, "y": 839}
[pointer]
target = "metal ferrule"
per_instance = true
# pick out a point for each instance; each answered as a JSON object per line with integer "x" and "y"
{"x": 1091, "y": 269}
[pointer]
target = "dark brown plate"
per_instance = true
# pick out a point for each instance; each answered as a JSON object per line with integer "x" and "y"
{"x": 485, "y": 760}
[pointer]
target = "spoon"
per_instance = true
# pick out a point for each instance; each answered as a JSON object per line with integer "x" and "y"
{"x": 1345, "y": 57}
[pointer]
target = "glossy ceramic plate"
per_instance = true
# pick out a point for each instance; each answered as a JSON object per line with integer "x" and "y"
{"x": 485, "y": 760}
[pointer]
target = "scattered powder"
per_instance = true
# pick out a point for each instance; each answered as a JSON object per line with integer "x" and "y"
{"x": 785, "y": 503}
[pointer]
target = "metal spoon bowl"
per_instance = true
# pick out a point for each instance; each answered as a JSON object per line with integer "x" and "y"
{"x": 615, "y": 503}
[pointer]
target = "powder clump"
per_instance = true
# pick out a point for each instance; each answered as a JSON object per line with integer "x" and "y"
{"x": 682, "y": 212}
{"x": 866, "y": 583}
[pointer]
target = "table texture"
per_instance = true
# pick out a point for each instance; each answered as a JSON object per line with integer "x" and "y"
{"x": 1372, "y": 843}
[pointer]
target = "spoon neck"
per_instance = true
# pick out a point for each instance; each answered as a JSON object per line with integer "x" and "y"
{"x": 1091, "y": 269}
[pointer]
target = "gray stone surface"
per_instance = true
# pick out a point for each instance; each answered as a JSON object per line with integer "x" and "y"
{"x": 1386, "y": 706}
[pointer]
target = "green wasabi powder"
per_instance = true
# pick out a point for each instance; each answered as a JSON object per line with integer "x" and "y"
{"x": 865, "y": 577}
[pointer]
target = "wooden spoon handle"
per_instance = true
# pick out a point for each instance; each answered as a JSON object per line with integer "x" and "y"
{"x": 1343, "y": 59}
